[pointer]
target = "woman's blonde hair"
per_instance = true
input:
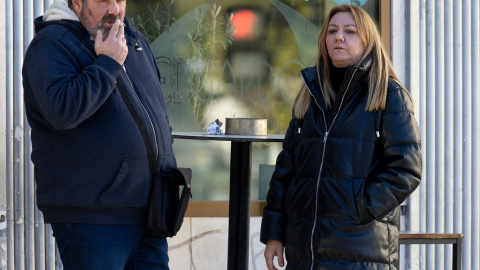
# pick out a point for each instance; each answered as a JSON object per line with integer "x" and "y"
{"x": 379, "y": 72}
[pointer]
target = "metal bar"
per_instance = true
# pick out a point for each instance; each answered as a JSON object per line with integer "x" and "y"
{"x": 50, "y": 249}
{"x": 457, "y": 255}
{"x": 475, "y": 239}
{"x": 18, "y": 156}
{"x": 457, "y": 121}
{"x": 38, "y": 8}
{"x": 40, "y": 235}
{"x": 467, "y": 128}
{"x": 430, "y": 133}
{"x": 4, "y": 139}
{"x": 439, "y": 98}
{"x": 47, "y": 3}
{"x": 427, "y": 241}
{"x": 399, "y": 61}
{"x": 398, "y": 50}
{"x": 29, "y": 194}
{"x": 423, "y": 102}
{"x": 413, "y": 84}
{"x": 448, "y": 107}
{"x": 239, "y": 213}
{"x": 40, "y": 241}
{"x": 9, "y": 128}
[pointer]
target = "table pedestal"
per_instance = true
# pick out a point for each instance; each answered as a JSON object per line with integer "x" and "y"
{"x": 239, "y": 207}
{"x": 240, "y": 178}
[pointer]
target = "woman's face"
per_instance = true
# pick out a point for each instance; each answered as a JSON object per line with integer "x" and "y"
{"x": 344, "y": 45}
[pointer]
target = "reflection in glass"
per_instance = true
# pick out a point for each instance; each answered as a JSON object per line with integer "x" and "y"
{"x": 231, "y": 58}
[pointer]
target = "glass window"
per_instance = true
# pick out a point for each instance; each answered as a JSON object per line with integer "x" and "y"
{"x": 231, "y": 58}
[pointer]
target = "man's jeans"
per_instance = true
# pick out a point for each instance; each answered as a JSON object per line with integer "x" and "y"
{"x": 109, "y": 247}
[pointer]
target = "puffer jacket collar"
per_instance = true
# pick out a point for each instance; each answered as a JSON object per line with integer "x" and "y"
{"x": 353, "y": 77}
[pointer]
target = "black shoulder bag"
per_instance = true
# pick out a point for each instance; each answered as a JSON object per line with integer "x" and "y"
{"x": 167, "y": 207}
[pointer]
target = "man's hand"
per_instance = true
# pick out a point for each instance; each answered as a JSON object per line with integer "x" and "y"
{"x": 274, "y": 248}
{"x": 115, "y": 45}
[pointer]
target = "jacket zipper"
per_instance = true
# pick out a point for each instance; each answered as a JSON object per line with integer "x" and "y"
{"x": 143, "y": 105}
{"x": 327, "y": 131}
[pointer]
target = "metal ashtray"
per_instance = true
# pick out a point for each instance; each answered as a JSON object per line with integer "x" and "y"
{"x": 246, "y": 126}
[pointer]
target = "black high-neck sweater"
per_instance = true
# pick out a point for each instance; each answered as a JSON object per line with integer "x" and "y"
{"x": 336, "y": 77}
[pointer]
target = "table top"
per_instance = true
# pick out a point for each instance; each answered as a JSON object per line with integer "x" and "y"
{"x": 227, "y": 137}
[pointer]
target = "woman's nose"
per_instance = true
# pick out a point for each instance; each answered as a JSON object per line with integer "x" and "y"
{"x": 338, "y": 36}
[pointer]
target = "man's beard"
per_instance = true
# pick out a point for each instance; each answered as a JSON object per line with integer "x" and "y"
{"x": 86, "y": 15}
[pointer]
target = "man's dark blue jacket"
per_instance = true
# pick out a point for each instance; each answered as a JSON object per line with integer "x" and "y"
{"x": 91, "y": 163}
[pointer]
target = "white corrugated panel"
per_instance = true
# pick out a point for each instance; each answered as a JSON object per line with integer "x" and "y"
{"x": 441, "y": 60}
{"x": 28, "y": 243}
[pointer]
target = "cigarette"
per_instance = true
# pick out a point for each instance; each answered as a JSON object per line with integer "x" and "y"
{"x": 122, "y": 24}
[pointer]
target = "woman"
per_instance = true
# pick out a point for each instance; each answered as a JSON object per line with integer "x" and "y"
{"x": 351, "y": 156}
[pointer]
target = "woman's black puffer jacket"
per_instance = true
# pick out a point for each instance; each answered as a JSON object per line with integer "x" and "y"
{"x": 334, "y": 196}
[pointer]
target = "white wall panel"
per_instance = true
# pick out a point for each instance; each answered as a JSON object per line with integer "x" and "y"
{"x": 441, "y": 48}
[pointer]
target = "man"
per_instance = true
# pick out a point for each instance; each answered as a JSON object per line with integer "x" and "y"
{"x": 91, "y": 166}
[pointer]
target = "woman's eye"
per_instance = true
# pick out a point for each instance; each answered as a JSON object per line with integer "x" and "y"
{"x": 350, "y": 31}
{"x": 331, "y": 31}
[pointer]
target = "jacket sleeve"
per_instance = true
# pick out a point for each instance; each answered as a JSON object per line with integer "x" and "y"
{"x": 274, "y": 215}
{"x": 401, "y": 172}
{"x": 65, "y": 92}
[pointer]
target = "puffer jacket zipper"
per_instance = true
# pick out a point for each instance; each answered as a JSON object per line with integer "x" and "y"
{"x": 327, "y": 131}
{"x": 143, "y": 105}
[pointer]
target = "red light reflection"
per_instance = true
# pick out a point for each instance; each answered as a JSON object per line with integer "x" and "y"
{"x": 244, "y": 22}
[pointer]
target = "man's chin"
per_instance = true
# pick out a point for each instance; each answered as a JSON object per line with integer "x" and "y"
{"x": 104, "y": 33}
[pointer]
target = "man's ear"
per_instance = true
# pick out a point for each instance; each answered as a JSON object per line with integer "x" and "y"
{"x": 77, "y": 6}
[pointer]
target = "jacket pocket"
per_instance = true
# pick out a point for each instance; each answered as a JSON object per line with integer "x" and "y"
{"x": 131, "y": 187}
{"x": 336, "y": 199}
{"x": 359, "y": 193}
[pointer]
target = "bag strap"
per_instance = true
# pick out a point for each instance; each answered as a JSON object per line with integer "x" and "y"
{"x": 152, "y": 162}
{"x": 143, "y": 130}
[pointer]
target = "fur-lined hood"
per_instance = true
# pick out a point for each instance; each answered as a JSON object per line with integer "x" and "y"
{"x": 59, "y": 10}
